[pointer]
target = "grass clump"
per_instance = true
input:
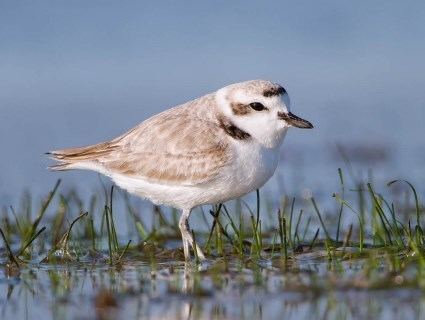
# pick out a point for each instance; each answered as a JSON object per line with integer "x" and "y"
{"x": 242, "y": 233}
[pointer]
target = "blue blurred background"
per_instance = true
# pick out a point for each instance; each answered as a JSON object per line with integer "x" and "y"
{"x": 79, "y": 72}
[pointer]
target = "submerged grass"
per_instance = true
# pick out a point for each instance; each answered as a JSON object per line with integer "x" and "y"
{"x": 383, "y": 227}
{"x": 367, "y": 230}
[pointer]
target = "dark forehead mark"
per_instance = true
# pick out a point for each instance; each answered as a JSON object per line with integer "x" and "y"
{"x": 275, "y": 91}
{"x": 232, "y": 130}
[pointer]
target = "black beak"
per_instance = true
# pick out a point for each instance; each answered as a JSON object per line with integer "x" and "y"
{"x": 294, "y": 121}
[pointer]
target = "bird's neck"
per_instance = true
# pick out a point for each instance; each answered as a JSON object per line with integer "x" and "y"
{"x": 273, "y": 141}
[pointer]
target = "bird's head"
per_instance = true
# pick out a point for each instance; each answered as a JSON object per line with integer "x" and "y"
{"x": 260, "y": 108}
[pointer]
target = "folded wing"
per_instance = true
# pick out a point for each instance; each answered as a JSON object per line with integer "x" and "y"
{"x": 171, "y": 148}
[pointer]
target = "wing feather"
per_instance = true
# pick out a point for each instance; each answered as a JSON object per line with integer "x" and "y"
{"x": 174, "y": 147}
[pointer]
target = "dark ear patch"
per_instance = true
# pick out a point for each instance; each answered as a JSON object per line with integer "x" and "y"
{"x": 276, "y": 91}
{"x": 232, "y": 130}
{"x": 240, "y": 109}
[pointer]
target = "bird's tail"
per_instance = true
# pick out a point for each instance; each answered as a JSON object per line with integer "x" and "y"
{"x": 79, "y": 158}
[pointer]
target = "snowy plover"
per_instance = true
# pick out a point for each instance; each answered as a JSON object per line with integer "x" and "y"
{"x": 206, "y": 151}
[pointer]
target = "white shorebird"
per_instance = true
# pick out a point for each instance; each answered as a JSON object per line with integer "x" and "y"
{"x": 209, "y": 150}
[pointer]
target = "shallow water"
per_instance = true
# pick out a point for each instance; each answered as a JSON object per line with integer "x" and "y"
{"x": 217, "y": 289}
{"x": 153, "y": 282}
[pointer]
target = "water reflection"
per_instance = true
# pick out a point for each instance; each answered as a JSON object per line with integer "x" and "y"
{"x": 173, "y": 290}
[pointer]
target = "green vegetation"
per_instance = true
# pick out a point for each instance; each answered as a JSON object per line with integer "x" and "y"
{"x": 370, "y": 241}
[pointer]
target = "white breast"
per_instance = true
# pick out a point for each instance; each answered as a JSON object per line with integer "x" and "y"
{"x": 252, "y": 168}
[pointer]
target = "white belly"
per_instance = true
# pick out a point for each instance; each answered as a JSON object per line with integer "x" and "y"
{"x": 251, "y": 167}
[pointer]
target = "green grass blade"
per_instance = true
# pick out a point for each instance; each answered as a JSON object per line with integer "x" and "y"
{"x": 320, "y": 218}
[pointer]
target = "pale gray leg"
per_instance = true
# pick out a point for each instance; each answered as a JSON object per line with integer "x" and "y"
{"x": 187, "y": 237}
{"x": 184, "y": 231}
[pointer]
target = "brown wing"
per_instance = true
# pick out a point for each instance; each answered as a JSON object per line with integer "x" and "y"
{"x": 173, "y": 147}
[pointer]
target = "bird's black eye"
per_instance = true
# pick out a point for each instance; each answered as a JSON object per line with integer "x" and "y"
{"x": 257, "y": 106}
